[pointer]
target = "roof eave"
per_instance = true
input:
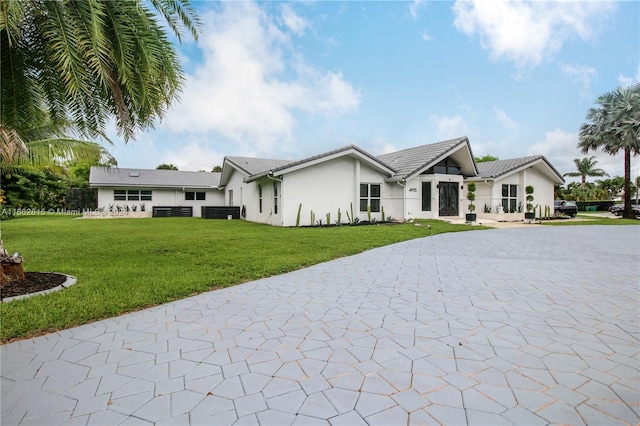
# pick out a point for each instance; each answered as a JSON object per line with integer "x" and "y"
{"x": 348, "y": 150}
{"x": 445, "y": 154}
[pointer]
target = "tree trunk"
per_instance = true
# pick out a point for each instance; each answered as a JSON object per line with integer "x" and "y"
{"x": 10, "y": 267}
{"x": 628, "y": 212}
{"x": 10, "y": 271}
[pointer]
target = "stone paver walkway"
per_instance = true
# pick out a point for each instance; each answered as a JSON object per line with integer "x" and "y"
{"x": 513, "y": 326}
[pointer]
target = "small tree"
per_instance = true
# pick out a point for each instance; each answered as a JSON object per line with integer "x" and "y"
{"x": 166, "y": 167}
{"x": 529, "y": 191}
{"x": 471, "y": 196}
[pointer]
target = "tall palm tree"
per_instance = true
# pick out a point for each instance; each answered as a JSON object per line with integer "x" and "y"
{"x": 614, "y": 126}
{"x": 48, "y": 146}
{"x": 586, "y": 167}
{"x": 87, "y": 62}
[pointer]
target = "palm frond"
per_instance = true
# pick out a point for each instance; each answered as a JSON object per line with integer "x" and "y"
{"x": 90, "y": 60}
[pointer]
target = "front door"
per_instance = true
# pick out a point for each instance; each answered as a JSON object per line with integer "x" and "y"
{"x": 448, "y": 194}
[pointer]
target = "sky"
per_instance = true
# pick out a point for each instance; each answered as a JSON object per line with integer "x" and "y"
{"x": 290, "y": 80}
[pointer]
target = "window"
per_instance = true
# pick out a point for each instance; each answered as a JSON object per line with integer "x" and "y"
{"x": 510, "y": 198}
{"x": 426, "y": 196}
{"x": 131, "y": 195}
{"x": 369, "y": 197}
{"x": 275, "y": 197}
{"x": 260, "y": 198}
{"x": 444, "y": 167}
{"x": 192, "y": 195}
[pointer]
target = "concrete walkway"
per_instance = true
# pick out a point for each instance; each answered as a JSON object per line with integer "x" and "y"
{"x": 520, "y": 326}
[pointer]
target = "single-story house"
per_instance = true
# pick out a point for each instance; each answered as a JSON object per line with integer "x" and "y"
{"x": 422, "y": 182}
{"x": 140, "y": 190}
{"x": 501, "y": 184}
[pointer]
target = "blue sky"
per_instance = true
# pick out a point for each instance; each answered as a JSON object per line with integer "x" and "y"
{"x": 291, "y": 80}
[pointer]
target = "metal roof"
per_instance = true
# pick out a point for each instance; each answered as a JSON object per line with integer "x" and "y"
{"x": 257, "y": 167}
{"x": 409, "y": 161}
{"x": 254, "y": 166}
{"x": 403, "y": 164}
{"x": 495, "y": 169}
{"x": 115, "y": 177}
{"x": 336, "y": 151}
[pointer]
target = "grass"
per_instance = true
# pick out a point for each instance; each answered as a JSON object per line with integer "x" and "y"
{"x": 124, "y": 265}
{"x": 592, "y": 219}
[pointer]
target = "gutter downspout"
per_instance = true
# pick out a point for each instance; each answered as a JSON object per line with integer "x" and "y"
{"x": 404, "y": 198}
{"x": 490, "y": 185}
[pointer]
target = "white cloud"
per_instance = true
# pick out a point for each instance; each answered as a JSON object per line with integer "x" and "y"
{"x": 449, "y": 127}
{"x": 416, "y": 6}
{"x": 560, "y": 148}
{"x": 583, "y": 74}
{"x": 504, "y": 119}
{"x": 193, "y": 156}
{"x": 293, "y": 21}
{"x": 426, "y": 36}
{"x": 252, "y": 81}
{"x": 381, "y": 146}
{"x": 528, "y": 32}
{"x": 629, "y": 81}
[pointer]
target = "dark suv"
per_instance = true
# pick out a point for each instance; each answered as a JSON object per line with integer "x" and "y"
{"x": 570, "y": 208}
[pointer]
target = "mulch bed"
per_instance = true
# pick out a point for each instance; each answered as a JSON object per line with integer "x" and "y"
{"x": 32, "y": 283}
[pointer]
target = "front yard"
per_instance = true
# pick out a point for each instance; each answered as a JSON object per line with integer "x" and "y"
{"x": 124, "y": 265}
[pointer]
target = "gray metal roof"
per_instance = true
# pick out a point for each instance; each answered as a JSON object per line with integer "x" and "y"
{"x": 119, "y": 177}
{"x": 495, "y": 169}
{"x": 402, "y": 163}
{"x": 254, "y": 166}
{"x": 335, "y": 151}
{"x": 409, "y": 161}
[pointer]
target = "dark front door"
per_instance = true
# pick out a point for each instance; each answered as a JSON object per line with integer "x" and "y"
{"x": 448, "y": 194}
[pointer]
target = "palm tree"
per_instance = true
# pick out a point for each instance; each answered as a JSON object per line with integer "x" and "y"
{"x": 87, "y": 62}
{"x": 586, "y": 167}
{"x": 84, "y": 62}
{"x": 612, "y": 126}
{"x": 48, "y": 146}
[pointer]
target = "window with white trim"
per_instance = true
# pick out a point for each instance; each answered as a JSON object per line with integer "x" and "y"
{"x": 132, "y": 195}
{"x": 510, "y": 198}
{"x": 370, "y": 197}
{"x": 275, "y": 197}
{"x": 194, "y": 195}
{"x": 260, "y": 198}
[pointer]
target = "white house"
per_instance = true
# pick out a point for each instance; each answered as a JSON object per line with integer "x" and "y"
{"x": 501, "y": 184}
{"x": 141, "y": 190}
{"x": 422, "y": 182}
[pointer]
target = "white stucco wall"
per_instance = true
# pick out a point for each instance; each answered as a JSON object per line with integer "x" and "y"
{"x": 161, "y": 197}
{"x": 323, "y": 188}
{"x": 543, "y": 189}
{"x": 490, "y": 192}
{"x": 484, "y": 191}
{"x": 413, "y": 192}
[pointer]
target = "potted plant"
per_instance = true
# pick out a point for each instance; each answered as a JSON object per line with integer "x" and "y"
{"x": 471, "y": 196}
{"x": 530, "y": 214}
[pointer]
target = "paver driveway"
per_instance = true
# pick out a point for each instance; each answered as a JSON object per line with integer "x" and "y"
{"x": 523, "y": 326}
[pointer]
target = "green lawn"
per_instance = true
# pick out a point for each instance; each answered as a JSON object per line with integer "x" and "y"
{"x": 124, "y": 265}
{"x": 592, "y": 219}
